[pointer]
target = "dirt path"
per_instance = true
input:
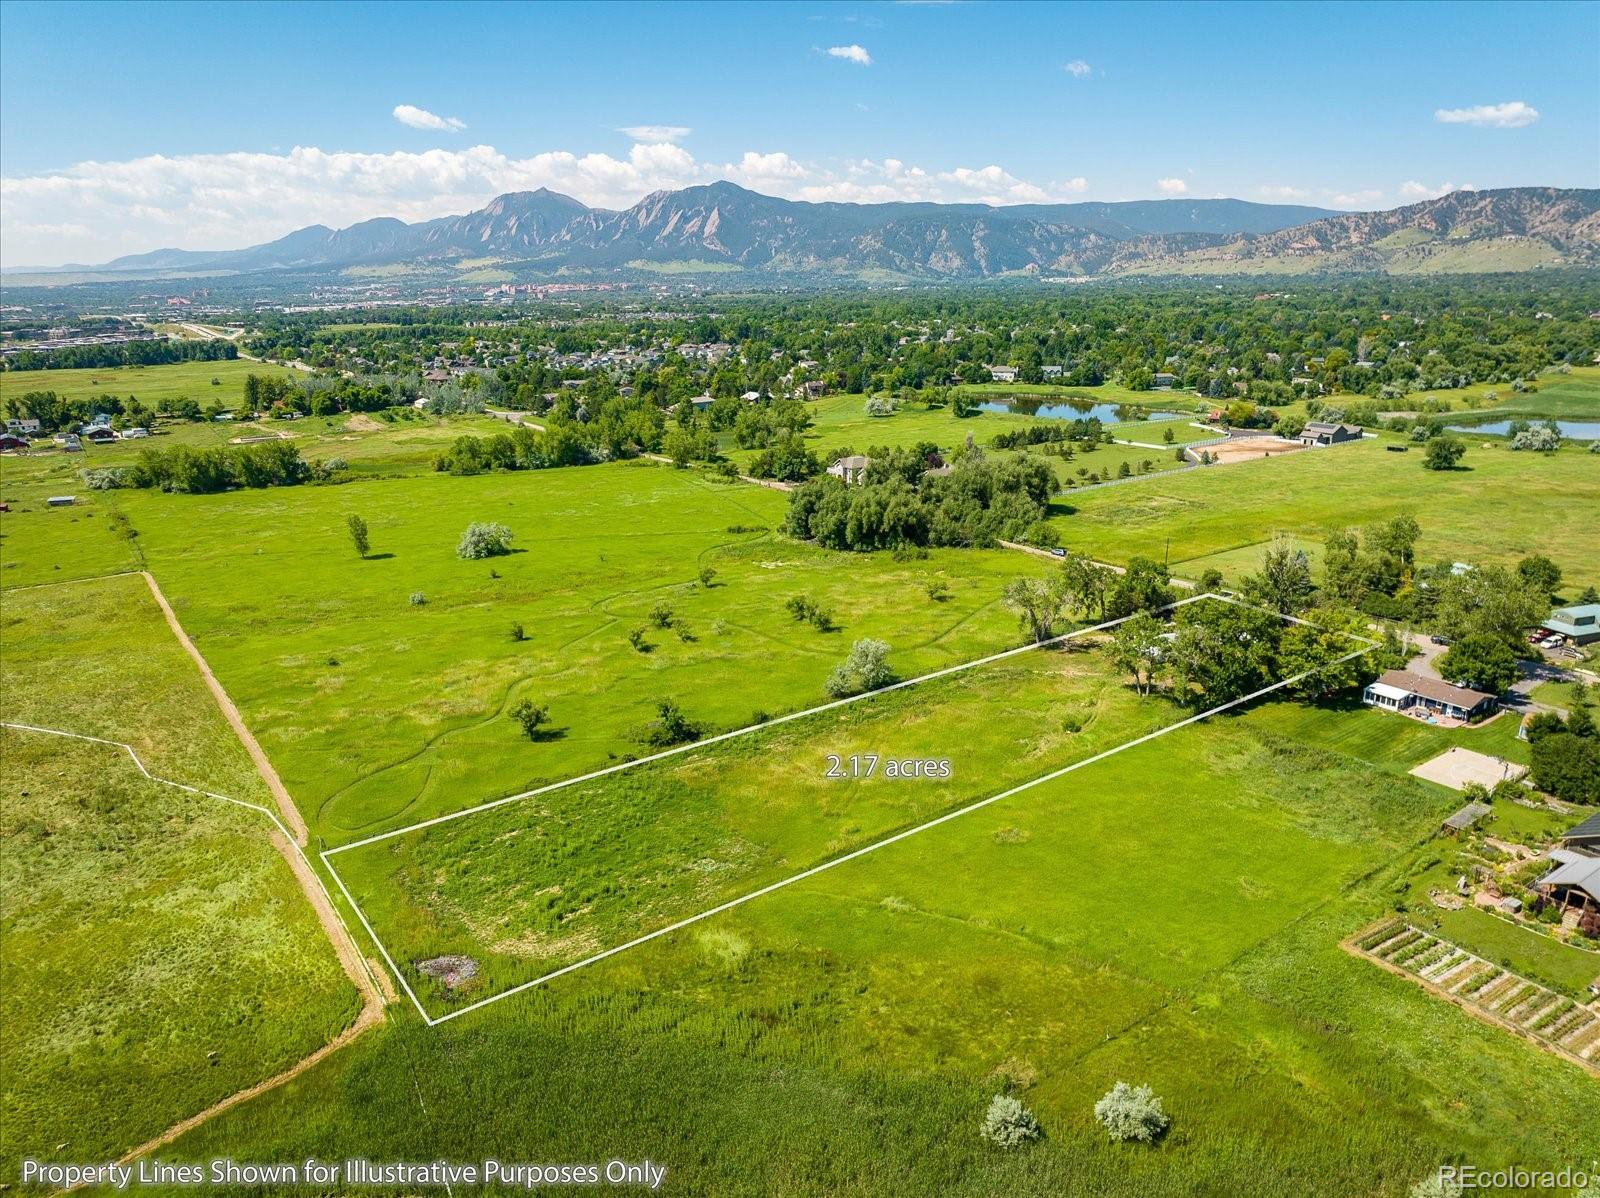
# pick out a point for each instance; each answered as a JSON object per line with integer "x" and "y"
{"x": 369, "y": 1017}
{"x": 280, "y": 794}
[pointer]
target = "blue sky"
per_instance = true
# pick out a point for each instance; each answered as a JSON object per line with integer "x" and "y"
{"x": 132, "y": 126}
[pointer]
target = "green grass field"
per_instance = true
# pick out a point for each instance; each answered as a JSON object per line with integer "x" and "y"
{"x": 1500, "y": 508}
{"x": 378, "y": 712}
{"x": 1169, "y": 915}
{"x": 153, "y": 386}
{"x": 143, "y": 928}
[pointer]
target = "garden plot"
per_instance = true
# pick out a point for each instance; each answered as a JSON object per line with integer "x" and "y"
{"x": 531, "y": 886}
{"x": 1557, "y": 1022}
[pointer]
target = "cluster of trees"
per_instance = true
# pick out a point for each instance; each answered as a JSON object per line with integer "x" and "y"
{"x": 573, "y": 435}
{"x": 979, "y": 503}
{"x": 127, "y": 353}
{"x": 1566, "y": 754}
{"x": 220, "y": 468}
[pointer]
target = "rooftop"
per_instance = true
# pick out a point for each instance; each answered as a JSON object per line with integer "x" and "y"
{"x": 1433, "y": 688}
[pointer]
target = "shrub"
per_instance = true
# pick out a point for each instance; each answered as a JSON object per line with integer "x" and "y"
{"x": 661, "y": 614}
{"x": 671, "y": 726}
{"x": 1009, "y": 1124}
{"x": 866, "y": 669}
{"x": 517, "y": 633}
{"x": 1131, "y": 1113}
{"x": 636, "y": 639}
{"x": 530, "y": 715}
{"x": 707, "y": 573}
{"x": 484, "y": 540}
{"x": 418, "y": 599}
{"x": 108, "y": 479}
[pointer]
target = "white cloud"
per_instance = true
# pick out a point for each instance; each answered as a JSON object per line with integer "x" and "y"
{"x": 851, "y": 53}
{"x": 95, "y": 211}
{"x": 1172, "y": 187}
{"x": 1284, "y": 193}
{"x": 421, "y": 118}
{"x": 1513, "y": 114}
{"x": 1363, "y": 199}
{"x": 1077, "y": 68}
{"x": 655, "y": 133}
{"x": 1412, "y": 190}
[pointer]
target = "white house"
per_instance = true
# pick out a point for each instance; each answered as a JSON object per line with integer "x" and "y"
{"x": 1003, "y": 374}
{"x": 851, "y": 470}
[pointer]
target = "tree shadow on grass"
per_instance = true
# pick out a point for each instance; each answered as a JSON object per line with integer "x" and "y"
{"x": 377, "y": 557}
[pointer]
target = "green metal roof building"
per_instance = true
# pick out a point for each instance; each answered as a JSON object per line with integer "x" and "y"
{"x": 1580, "y": 624}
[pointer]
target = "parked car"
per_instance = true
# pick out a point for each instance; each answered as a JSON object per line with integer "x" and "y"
{"x": 1439, "y": 640}
{"x": 1057, "y": 551}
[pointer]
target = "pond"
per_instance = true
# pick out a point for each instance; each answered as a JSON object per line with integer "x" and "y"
{"x": 1076, "y": 409}
{"x": 1573, "y": 430}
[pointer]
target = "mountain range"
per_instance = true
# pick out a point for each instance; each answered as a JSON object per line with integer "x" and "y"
{"x": 723, "y": 227}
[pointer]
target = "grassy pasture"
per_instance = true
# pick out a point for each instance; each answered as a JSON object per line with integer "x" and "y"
{"x": 378, "y": 713}
{"x": 1170, "y": 915}
{"x": 1502, "y": 506}
{"x": 542, "y": 882}
{"x": 143, "y": 928}
{"x": 154, "y": 386}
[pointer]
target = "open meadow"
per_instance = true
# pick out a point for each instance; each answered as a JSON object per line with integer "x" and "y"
{"x": 219, "y": 382}
{"x": 1498, "y": 507}
{"x": 158, "y": 953}
{"x": 380, "y": 710}
{"x": 1169, "y": 915}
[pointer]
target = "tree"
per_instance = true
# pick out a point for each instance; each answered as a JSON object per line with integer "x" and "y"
{"x": 1284, "y": 581}
{"x": 1303, "y": 649}
{"x": 1481, "y": 660}
{"x": 1540, "y": 573}
{"x": 484, "y": 540}
{"x": 866, "y": 669}
{"x": 530, "y": 716}
{"x": 1444, "y": 452}
{"x": 1008, "y": 1124}
{"x": 1084, "y": 584}
{"x": 358, "y": 535}
{"x": 1139, "y": 646}
{"x": 1222, "y": 651}
{"x": 1342, "y": 575}
{"x": 1490, "y": 600}
{"x": 1131, "y": 1113}
{"x": 1143, "y": 586}
{"x": 1036, "y": 604}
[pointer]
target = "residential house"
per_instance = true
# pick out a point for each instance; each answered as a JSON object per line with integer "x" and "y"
{"x": 1574, "y": 883}
{"x": 1580, "y": 624}
{"x": 1320, "y": 433}
{"x": 1426, "y": 698}
{"x": 852, "y": 469}
{"x": 100, "y": 434}
{"x": 1165, "y": 380}
{"x": 702, "y": 402}
{"x": 24, "y": 427}
{"x": 1584, "y": 837}
{"x": 1003, "y": 374}
{"x": 10, "y": 442}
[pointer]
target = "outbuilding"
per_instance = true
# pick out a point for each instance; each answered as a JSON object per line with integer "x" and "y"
{"x": 1320, "y": 433}
{"x": 1579, "y": 624}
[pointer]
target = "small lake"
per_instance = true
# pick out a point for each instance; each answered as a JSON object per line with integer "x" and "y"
{"x": 1573, "y": 430}
{"x": 1105, "y": 413}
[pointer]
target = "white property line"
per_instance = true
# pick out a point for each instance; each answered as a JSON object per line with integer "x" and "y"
{"x": 1367, "y": 647}
{"x": 195, "y": 790}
